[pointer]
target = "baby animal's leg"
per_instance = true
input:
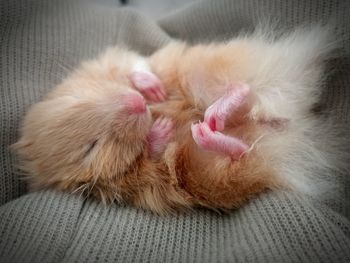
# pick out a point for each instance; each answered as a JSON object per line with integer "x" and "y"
{"x": 207, "y": 135}
{"x": 159, "y": 135}
{"x": 217, "y": 113}
{"x": 147, "y": 83}
{"x": 215, "y": 141}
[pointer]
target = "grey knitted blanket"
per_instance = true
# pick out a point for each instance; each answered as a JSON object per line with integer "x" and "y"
{"x": 42, "y": 40}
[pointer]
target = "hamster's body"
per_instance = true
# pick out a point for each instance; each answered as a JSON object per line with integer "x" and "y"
{"x": 290, "y": 147}
{"x": 279, "y": 140}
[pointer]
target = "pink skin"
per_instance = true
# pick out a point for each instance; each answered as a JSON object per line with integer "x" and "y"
{"x": 217, "y": 113}
{"x": 207, "y": 135}
{"x": 149, "y": 85}
{"x": 159, "y": 135}
{"x": 135, "y": 103}
{"x": 217, "y": 142}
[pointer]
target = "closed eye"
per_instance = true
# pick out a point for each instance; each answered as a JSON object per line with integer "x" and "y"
{"x": 91, "y": 147}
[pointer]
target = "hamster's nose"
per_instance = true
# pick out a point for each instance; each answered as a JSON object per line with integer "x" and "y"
{"x": 136, "y": 103}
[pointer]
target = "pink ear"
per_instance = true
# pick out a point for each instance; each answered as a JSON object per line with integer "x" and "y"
{"x": 149, "y": 85}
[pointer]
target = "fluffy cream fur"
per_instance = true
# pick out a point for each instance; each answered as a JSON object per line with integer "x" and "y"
{"x": 80, "y": 139}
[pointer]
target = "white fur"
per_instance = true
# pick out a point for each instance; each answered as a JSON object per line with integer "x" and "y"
{"x": 286, "y": 73}
{"x": 141, "y": 65}
{"x": 287, "y": 81}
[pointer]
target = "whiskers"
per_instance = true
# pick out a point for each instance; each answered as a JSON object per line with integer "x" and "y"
{"x": 85, "y": 190}
{"x": 82, "y": 190}
{"x": 252, "y": 146}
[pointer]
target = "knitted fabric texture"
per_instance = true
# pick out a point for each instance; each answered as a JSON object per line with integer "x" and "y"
{"x": 42, "y": 40}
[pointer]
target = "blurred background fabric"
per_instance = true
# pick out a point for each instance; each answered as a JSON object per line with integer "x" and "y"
{"x": 41, "y": 41}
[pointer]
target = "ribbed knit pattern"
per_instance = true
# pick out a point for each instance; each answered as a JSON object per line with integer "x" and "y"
{"x": 42, "y": 40}
{"x": 54, "y": 227}
{"x": 37, "y": 227}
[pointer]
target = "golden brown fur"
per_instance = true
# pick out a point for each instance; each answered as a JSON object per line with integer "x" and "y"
{"x": 77, "y": 139}
{"x": 213, "y": 180}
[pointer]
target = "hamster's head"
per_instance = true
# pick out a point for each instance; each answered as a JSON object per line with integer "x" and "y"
{"x": 82, "y": 134}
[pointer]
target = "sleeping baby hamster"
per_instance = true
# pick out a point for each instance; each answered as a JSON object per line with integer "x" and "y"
{"x": 94, "y": 134}
{"x": 229, "y": 120}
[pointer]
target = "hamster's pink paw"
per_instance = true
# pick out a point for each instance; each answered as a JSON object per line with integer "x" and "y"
{"x": 160, "y": 135}
{"x": 217, "y": 142}
{"x": 149, "y": 85}
{"x": 217, "y": 113}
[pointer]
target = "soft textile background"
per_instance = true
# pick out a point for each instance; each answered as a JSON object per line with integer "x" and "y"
{"x": 41, "y": 40}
